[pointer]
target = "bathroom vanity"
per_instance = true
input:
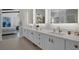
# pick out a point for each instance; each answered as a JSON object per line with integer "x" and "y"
{"x": 50, "y": 39}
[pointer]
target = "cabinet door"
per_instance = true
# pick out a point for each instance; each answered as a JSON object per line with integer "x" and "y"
{"x": 37, "y": 38}
{"x": 51, "y": 43}
{"x": 56, "y": 43}
{"x": 72, "y": 45}
{"x": 44, "y": 41}
{"x": 59, "y": 43}
{"x": 41, "y": 40}
{"x": 28, "y": 35}
{"x": 31, "y": 35}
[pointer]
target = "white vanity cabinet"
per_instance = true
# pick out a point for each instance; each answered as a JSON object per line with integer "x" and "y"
{"x": 42, "y": 40}
{"x": 59, "y": 43}
{"x": 56, "y": 43}
{"x": 45, "y": 41}
{"x": 27, "y": 34}
{"x": 72, "y": 45}
{"x": 49, "y": 42}
{"x": 37, "y": 38}
{"x": 30, "y": 35}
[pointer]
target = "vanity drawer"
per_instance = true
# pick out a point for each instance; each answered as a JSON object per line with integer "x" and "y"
{"x": 72, "y": 45}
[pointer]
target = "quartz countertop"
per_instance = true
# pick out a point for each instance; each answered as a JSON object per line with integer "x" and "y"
{"x": 64, "y": 36}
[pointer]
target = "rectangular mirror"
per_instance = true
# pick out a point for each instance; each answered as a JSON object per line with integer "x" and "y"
{"x": 64, "y": 16}
{"x": 40, "y": 16}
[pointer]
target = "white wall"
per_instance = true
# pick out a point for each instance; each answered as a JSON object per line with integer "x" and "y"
{"x": 23, "y": 17}
{"x": 14, "y": 18}
{"x": 30, "y": 16}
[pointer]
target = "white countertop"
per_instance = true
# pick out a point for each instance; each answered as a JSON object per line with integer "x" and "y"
{"x": 69, "y": 37}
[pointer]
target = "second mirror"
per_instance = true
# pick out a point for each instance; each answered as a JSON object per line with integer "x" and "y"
{"x": 40, "y": 16}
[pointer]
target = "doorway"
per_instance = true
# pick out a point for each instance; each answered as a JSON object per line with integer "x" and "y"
{"x": 10, "y": 24}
